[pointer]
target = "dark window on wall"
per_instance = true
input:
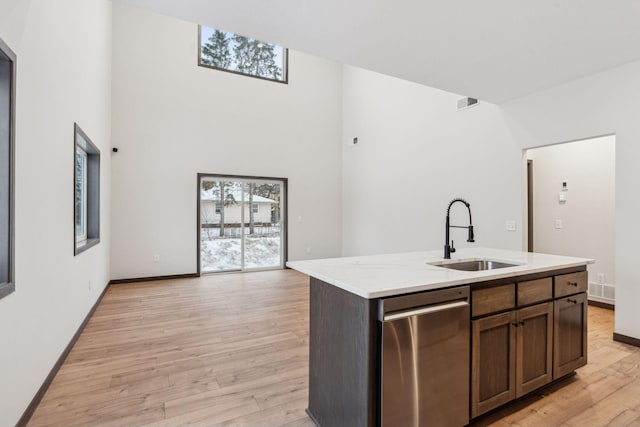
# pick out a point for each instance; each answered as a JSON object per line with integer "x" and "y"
{"x": 7, "y": 137}
{"x": 242, "y": 55}
{"x": 86, "y": 192}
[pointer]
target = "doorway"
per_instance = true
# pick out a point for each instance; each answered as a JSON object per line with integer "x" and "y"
{"x": 241, "y": 223}
{"x": 571, "y": 206}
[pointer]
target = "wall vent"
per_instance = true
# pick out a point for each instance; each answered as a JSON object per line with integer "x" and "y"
{"x": 602, "y": 292}
{"x": 466, "y": 103}
{"x": 595, "y": 289}
{"x": 609, "y": 292}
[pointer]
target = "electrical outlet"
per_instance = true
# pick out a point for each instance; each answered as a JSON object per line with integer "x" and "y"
{"x": 558, "y": 223}
{"x": 156, "y": 258}
{"x": 600, "y": 278}
{"x": 510, "y": 225}
{"x": 309, "y": 249}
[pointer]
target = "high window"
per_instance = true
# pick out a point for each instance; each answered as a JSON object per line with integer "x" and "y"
{"x": 86, "y": 208}
{"x": 242, "y": 55}
{"x": 7, "y": 130}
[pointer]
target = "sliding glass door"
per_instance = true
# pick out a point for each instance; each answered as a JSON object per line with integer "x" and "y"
{"x": 242, "y": 223}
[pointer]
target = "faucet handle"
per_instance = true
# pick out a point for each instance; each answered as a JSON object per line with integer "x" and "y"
{"x": 452, "y": 248}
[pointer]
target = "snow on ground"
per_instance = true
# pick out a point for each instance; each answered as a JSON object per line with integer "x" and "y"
{"x": 224, "y": 254}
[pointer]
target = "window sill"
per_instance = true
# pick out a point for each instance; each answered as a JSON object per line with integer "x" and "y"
{"x": 83, "y": 246}
{"x": 6, "y": 289}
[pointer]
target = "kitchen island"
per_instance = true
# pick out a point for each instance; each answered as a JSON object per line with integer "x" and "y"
{"x": 375, "y": 322}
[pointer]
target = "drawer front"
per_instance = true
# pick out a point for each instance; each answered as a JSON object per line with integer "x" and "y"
{"x": 534, "y": 291}
{"x": 491, "y": 300}
{"x": 569, "y": 284}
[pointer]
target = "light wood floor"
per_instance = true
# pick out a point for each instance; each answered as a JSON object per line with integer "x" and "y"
{"x": 233, "y": 350}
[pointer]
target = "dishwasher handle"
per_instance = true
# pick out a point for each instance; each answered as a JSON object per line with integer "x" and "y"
{"x": 424, "y": 310}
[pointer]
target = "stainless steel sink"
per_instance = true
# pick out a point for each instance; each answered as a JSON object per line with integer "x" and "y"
{"x": 474, "y": 265}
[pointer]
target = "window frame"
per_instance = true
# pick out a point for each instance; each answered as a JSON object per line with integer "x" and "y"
{"x": 255, "y": 208}
{"x": 284, "y": 218}
{"x": 218, "y": 208}
{"x": 83, "y": 236}
{"x": 285, "y": 63}
{"x": 9, "y": 287}
{"x": 92, "y": 185}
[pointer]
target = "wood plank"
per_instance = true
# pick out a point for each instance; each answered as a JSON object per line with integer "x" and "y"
{"x": 159, "y": 345}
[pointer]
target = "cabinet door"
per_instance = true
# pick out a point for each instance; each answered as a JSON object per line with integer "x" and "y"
{"x": 493, "y": 362}
{"x": 570, "y": 334}
{"x": 534, "y": 367}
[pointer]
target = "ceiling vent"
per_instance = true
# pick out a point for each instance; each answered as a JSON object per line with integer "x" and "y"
{"x": 466, "y": 103}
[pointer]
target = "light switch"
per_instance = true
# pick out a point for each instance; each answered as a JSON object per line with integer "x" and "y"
{"x": 562, "y": 197}
{"x": 510, "y": 225}
{"x": 558, "y": 223}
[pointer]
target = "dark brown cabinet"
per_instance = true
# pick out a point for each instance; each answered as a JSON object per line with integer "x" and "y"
{"x": 534, "y": 351}
{"x": 493, "y": 362}
{"x": 570, "y": 334}
{"x": 511, "y": 356}
{"x": 525, "y": 335}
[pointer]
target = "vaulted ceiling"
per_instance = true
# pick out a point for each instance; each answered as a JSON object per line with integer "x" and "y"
{"x": 494, "y": 50}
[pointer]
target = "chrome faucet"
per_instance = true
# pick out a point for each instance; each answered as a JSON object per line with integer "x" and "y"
{"x": 449, "y": 249}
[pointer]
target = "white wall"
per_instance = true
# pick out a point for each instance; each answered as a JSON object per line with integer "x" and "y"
{"x": 64, "y": 76}
{"x": 601, "y": 104}
{"x": 587, "y": 216}
{"x": 415, "y": 153}
{"x": 173, "y": 119}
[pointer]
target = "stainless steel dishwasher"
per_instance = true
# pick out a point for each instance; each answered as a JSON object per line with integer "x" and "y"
{"x": 425, "y": 359}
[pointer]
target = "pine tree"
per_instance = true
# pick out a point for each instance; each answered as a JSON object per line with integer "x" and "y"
{"x": 224, "y": 193}
{"x": 255, "y": 57}
{"x": 264, "y": 63}
{"x": 270, "y": 191}
{"x": 215, "y": 51}
{"x": 242, "y": 53}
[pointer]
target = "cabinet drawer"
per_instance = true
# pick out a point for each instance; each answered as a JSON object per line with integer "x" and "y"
{"x": 491, "y": 300}
{"x": 568, "y": 284}
{"x": 534, "y": 291}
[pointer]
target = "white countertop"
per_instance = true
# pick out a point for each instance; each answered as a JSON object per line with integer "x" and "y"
{"x": 376, "y": 276}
